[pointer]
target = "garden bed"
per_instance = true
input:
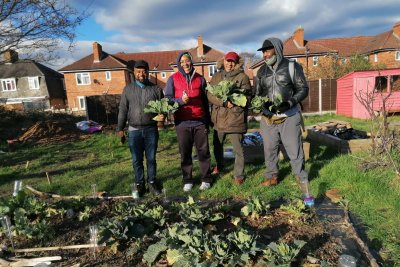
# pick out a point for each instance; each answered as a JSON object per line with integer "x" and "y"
{"x": 340, "y": 135}
{"x": 183, "y": 232}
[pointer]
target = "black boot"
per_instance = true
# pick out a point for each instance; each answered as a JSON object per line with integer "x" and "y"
{"x": 153, "y": 189}
{"x": 141, "y": 189}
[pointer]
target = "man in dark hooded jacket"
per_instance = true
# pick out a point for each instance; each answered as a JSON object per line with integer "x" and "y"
{"x": 187, "y": 88}
{"x": 281, "y": 120}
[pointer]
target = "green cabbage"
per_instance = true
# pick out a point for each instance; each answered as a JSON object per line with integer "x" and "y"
{"x": 228, "y": 91}
{"x": 162, "y": 106}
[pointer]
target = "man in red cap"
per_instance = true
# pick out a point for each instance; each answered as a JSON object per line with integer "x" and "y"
{"x": 227, "y": 118}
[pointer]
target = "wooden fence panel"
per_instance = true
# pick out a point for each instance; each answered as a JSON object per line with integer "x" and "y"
{"x": 103, "y": 108}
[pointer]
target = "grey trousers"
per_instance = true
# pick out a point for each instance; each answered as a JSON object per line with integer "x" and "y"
{"x": 289, "y": 133}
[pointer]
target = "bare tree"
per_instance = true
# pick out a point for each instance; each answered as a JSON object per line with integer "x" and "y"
{"x": 36, "y": 28}
{"x": 384, "y": 141}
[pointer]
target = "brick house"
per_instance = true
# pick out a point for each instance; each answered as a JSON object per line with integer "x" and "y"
{"x": 28, "y": 85}
{"x": 101, "y": 73}
{"x": 383, "y": 48}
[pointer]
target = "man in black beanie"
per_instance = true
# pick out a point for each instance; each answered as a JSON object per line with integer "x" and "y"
{"x": 142, "y": 129}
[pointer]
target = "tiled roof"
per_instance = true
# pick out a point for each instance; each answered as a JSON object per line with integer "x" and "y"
{"x": 382, "y": 41}
{"x": 26, "y": 68}
{"x": 344, "y": 47}
{"x": 107, "y": 62}
{"x": 158, "y": 60}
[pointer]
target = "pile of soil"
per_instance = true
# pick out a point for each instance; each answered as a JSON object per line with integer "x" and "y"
{"x": 50, "y": 131}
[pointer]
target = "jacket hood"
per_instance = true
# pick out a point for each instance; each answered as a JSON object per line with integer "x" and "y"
{"x": 178, "y": 63}
{"x": 278, "y": 45}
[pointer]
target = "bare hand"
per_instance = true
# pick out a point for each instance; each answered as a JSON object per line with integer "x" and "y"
{"x": 121, "y": 133}
{"x": 230, "y": 105}
{"x": 185, "y": 98}
{"x": 161, "y": 117}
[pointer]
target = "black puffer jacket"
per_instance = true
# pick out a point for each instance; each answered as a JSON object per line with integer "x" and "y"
{"x": 271, "y": 82}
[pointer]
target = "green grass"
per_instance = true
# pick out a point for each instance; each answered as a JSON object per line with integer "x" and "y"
{"x": 102, "y": 160}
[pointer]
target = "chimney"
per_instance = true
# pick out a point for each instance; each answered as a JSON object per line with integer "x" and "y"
{"x": 97, "y": 51}
{"x": 298, "y": 37}
{"x": 396, "y": 29}
{"x": 200, "y": 47}
{"x": 10, "y": 56}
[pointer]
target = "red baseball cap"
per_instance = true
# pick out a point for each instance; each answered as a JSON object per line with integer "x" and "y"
{"x": 232, "y": 56}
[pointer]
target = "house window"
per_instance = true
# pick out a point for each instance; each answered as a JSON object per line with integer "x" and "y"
{"x": 82, "y": 102}
{"x": 163, "y": 75}
{"x": 212, "y": 69}
{"x": 375, "y": 57}
{"x": 33, "y": 82}
{"x": 397, "y": 57}
{"x": 381, "y": 83}
{"x": 108, "y": 75}
{"x": 315, "y": 61}
{"x": 8, "y": 84}
{"x": 82, "y": 78}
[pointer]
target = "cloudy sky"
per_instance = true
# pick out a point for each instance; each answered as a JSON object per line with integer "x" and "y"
{"x": 154, "y": 25}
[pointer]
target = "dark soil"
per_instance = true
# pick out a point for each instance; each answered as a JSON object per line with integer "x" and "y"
{"x": 322, "y": 245}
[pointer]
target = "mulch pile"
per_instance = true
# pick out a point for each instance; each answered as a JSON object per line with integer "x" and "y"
{"x": 48, "y": 132}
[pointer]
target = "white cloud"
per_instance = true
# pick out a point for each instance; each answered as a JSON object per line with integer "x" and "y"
{"x": 230, "y": 24}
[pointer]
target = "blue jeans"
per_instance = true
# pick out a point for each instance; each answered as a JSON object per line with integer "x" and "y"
{"x": 144, "y": 141}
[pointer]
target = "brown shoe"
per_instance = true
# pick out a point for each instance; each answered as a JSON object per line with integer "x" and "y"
{"x": 270, "y": 182}
{"x": 238, "y": 181}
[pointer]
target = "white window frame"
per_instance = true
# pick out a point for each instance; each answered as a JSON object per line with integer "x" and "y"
{"x": 82, "y": 102}
{"x": 33, "y": 83}
{"x": 397, "y": 56}
{"x": 5, "y": 83}
{"x": 84, "y": 78}
{"x": 108, "y": 75}
{"x": 294, "y": 59}
{"x": 163, "y": 75}
{"x": 212, "y": 69}
{"x": 315, "y": 61}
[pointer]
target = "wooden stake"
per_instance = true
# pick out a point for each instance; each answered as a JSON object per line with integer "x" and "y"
{"x": 56, "y": 248}
{"x": 48, "y": 178}
{"x": 27, "y": 164}
{"x": 48, "y": 195}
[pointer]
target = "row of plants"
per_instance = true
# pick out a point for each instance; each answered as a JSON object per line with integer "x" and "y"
{"x": 177, "y": 233}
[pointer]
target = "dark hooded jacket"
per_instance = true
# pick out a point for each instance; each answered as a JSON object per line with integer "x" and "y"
{"x": 271, "y": 82}
{"x": 133, "y": 101}
{"x": 194, "y": 85}
{"x": 230, "y": 120}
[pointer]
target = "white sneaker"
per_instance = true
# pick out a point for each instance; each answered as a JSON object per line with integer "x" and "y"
{"x": 205, "y": 186}
{"x": 187, "y": 187}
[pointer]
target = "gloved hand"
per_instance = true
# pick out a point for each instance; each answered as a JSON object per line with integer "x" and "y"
{"x": 268, "y": 104}
{"x": 283, "y": 107}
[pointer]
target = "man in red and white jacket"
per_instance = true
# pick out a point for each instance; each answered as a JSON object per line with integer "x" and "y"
{"x": 188, "y": 89}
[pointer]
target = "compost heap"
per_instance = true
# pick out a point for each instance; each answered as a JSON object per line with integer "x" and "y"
{"x": 47, "y": 132}
{"x": 341, "y": 129}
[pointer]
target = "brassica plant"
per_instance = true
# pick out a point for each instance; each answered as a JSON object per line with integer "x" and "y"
{"x": 161, "y": 107}
{"x": 228, "y": 91}
{"x": 257, "y": 103}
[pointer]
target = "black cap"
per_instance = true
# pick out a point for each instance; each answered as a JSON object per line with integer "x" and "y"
{"x": 267, "y": 44}
{"x": 141, "y": 64}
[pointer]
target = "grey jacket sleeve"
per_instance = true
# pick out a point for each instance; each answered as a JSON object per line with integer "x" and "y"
{"x": 123, "y": 111}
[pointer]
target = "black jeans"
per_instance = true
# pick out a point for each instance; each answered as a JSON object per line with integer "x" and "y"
{"x": 197, "y": 136}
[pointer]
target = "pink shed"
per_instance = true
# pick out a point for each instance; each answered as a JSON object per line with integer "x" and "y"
{"x": 382, "y": 82}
